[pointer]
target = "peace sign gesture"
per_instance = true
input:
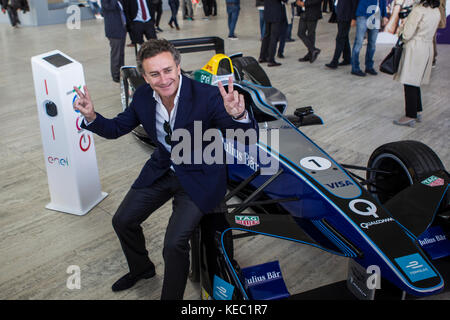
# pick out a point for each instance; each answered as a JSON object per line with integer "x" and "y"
{"x": 84, "y": 104}
{"x": 233, "y": 101}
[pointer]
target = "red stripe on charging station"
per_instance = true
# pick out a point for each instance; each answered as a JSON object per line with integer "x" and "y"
{"x": 46, "y": 89}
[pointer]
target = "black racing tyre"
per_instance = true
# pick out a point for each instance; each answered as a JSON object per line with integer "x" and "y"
{"x": 406, "y": 161}
{"x": 194, "y": 269}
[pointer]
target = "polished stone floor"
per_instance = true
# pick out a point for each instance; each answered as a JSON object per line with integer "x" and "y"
{"x": 37, "y": 245}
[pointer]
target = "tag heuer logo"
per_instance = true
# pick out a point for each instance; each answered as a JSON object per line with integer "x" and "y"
{"x": 247, "y": 221}
{"x": 433, "y": 181}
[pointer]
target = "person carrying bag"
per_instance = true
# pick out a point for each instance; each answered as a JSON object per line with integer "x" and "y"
{"x": 417, "y": 57}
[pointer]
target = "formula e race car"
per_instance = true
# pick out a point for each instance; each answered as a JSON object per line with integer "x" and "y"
{"x": 396, "y": 218}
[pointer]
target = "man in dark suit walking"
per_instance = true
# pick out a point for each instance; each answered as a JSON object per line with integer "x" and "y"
{"x": 116, "y": 32}
{"x": 310, "y": 13}
{"x": 275, "y": 18}
{"x": 12, "y": 6}
{"x": 140, "y": 20}
{"x": 168, "y": 102}
{"x": 345, "y": 13}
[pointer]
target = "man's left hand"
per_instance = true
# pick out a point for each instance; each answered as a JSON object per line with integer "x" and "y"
{"x": 233, "y": 101}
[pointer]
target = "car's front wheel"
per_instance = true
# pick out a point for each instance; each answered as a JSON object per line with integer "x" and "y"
{"x": 398, "y": 165}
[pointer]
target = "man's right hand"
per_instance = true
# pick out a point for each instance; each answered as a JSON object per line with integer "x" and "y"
{"x": 84, "y": 104}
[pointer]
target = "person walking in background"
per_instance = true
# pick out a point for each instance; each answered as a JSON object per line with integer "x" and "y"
{"x": 367, "y": 20}
{"x": 275, "y": 17}
{"x": 417, "y": 57}
{"x": 11, "y": 6}
{"x": 116, "y": 32}
{"x": 345, "y": 13}
{"x": 285, "y": 29}
{"x": 174, "y": 6}
{"x": 233, "y": 8}
{"x": 156, "y": 11}
{"x": 310, "y": 13}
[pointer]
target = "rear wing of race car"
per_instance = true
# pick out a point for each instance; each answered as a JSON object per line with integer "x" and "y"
{"x": 199, "y": 44}
{"x": 196, "y": 45}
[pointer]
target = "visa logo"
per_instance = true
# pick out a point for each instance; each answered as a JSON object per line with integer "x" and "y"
{"x": 339, "y": 184}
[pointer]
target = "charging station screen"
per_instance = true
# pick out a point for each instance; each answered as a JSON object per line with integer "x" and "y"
{"x": 57, "y": 60}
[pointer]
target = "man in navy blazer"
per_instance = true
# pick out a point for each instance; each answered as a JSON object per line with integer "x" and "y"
{"x": 275, "y": 18}
{"x": 116, "y": 32}
{"x": 345, "y": 13}
{"x": 168, "y": 102}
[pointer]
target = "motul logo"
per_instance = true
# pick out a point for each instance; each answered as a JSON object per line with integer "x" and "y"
{"x": 247, "y": 221}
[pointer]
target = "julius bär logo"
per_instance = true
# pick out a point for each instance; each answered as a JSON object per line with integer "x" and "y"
{"x": 247, "y": 221}
{"x": 433, "y": 181}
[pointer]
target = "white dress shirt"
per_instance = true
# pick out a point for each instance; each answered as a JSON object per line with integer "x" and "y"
{"x": 139, "y": 12}
{"x": 162, "y": 115}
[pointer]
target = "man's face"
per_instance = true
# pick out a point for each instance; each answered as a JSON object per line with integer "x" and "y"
{"x": 162, "y": 74}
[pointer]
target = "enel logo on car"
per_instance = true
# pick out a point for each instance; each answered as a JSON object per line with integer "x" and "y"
{"x": 64, "y": 162}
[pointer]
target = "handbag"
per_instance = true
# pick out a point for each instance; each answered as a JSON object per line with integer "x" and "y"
{"x": 390, "y": 64}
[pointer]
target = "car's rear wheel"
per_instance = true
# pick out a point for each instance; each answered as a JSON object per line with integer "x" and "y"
{"x": 399, "y": 165}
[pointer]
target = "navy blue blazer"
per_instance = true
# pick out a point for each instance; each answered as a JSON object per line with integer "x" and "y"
{"x": 346, "y": 10}
{"x": 114, "y": 28}
{"x": 274, "y": 11}
{"x": 205, "y": 184}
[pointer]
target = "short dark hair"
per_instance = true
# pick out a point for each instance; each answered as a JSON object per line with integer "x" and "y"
{"x": 154, "y": 47}
{"x": 430, "y": 3}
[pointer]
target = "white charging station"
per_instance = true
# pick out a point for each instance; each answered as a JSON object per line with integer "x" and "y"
{"x": 69, "y": 151}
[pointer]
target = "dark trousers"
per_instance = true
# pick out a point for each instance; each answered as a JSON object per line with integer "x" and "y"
{"x": 158, "y": 13}
{"x": 269, "y": 43}
{"x": 330, "y": 5}
{"x": 13, "y": 16}
{"x": 135, "y": 208}
{"x": 307, "y": 33}
{"x": 413, "y": 101}
{"x": 214, "y": 7}
{"x": 233, "y": 14}
{"x": 117, "y": 56}
{"x": 207, "y": 7}
{"x": 174, "y": 6}
{"x": 342, "y": 43}
{"x": 139, "y": 29}
{"x": 283, "y": 36}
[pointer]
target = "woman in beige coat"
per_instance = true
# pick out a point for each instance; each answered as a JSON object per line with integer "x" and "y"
{"x": 417, "y": 57}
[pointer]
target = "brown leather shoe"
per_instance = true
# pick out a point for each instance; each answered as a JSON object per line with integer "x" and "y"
{"x": 273, "y": 64}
